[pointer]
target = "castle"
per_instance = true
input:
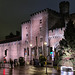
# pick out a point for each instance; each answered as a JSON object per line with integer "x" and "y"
{"x": 43, "y": 31}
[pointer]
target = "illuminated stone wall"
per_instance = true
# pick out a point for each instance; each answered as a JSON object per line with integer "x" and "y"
{"x": 55, "y": 36}
{"x": 38, "y": 25}
{"x": 43, "y": 26}
{"x": 13, "y": 50}
{"x": 26, "y": 36}
{"x": 37, "y": 28}
{"x": 35, "y": 32}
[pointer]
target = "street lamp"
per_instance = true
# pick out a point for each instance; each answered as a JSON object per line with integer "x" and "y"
{"x": 45, "y": 43}
{"x": 30, "y": 45}
{"x": 31, "y": 53}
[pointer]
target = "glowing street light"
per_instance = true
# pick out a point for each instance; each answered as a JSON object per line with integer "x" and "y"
{"x": 45, "y": 43}
{"x": 30, "y": 45}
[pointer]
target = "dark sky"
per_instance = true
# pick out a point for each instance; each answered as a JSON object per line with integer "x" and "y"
{"x": 13, "y": 12}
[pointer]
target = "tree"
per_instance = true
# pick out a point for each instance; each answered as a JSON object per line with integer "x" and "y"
{"x": 63, "y": 43}
{"x": 69, "y": 35}
{"x": 68, "y": 45}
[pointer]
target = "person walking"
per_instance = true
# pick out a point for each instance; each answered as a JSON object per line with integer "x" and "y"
{"x": 11, "y": 63}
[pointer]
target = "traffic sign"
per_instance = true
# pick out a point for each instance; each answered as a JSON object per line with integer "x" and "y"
{"x": 53, "y": 55}
{"x": 51, "y": 52}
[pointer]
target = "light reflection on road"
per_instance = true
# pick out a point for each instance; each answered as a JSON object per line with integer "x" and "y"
{"x": 30, "y": 70}
{"x": 4, "y": 71}
{"x": 66, "y": 73}
{"x": 10, "y": 72}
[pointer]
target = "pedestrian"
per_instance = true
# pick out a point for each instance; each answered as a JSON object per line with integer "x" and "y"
{"x": 11, "y": 63}
{"x": 3, "y": 62}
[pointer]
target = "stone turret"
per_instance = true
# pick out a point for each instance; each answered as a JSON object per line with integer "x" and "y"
{"x": 64, "y": 7}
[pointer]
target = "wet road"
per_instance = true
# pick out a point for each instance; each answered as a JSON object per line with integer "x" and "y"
{"x": 28, "y": 70}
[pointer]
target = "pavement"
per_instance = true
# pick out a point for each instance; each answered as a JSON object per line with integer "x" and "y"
{"x": 28, "y": 70}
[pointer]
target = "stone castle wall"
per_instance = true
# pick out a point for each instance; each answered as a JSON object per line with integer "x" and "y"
{"x": 55, "y": 36}
{"x": 37, "y": 31}
{"x": 13, "y": 50}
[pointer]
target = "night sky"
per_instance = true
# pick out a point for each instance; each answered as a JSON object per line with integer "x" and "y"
{"x": 13, "y": 12}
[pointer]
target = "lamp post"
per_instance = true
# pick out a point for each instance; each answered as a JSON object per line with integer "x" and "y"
{"x": 45, "y": 43}
{"x": 31, "y": 52}
{"x": 52, "y": 55}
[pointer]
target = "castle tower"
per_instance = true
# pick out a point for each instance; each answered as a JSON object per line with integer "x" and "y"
{"x": 64, "y": 7}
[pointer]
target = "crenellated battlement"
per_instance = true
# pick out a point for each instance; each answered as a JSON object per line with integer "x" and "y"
{"x": 28, "y": 21}
{"x": 54, "y": 12}
{"x": 64, "y": 7}
{"x": 45, "y": 10}
{"x": 64, "y": 2}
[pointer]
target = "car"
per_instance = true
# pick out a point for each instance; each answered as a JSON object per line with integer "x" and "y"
{"x": 66, "y": 70}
